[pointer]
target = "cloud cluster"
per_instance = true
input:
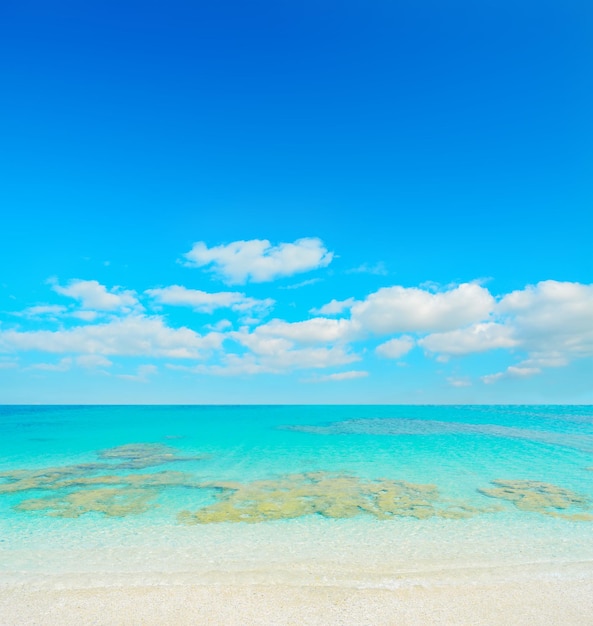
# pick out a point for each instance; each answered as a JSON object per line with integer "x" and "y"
{"x": 551, "y": 322}
{"x": 279, "y": 347}
{"x": 133, "y": 335}
{"x": 257, "y": 260}
{"x": 541, "y": 326}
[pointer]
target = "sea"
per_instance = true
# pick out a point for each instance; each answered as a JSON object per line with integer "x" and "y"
{"x": 367, "y": 496}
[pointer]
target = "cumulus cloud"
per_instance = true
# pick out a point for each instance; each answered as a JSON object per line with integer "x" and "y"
{"x": 475, "y": 338}
{"x": 400, "y": 309}
{"x": 550, "y": 322}
{"x": 395, "y": 348}
{"x": 335, "y": 307}
{"x": 92, "y": 295}
{"x": 130, "y": 336}
{"x": 257, "y": 260}
{"x": 552, "y": 319}
{"x": 205, "y": 302}
{"x": 318, "y": 330}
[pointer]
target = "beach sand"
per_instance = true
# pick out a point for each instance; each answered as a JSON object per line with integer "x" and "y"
{"x": 546, "y": 601}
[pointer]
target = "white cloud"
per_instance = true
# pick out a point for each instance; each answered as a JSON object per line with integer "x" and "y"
{"x": 459, "y": 382}
{"x": 395, "y": 348}
{"x": 93, "y": 295}
{"x": 279, "y": 347}
{"x": 335, "y": 307}
{"x": 317, "y": 330}
{"x": 220, "y": 326}
{"x": 303, "y": 283}
{"x": 8, "y": 365}
{"x": 552, "y": 319}
{"x": 86, "y": 316}
{"x": 279, "y": 359}
{"x": 378, "y": 269}
{"x": 475, "y": 338}
{"x": 339, "y": 376}
{"x": 55, "y": 311}
{"x": 511, "y": 372}
{"x": 62, "y": 366}
{"x": 142, "y": 374}
{"x": 92, "y": 361}
{"x": 130, "y": 336}
{"x": 262, "y": 345}
{"x": 258, "y": 260}
{"x": 207, "y": 302}
{"x": 400, "y": 309}
{"x": 43, "y": 310}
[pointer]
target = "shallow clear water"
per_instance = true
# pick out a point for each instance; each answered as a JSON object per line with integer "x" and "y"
{"x": 270, "y": 490}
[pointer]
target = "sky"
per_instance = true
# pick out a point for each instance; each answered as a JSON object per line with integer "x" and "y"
{"x": 296, "y": 202}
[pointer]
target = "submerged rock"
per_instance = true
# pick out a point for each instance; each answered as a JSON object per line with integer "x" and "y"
{"x": 111, "y": 502}
{"x": 100, "y": 487}
{"x": 541, "y": 497}
{"x": 329, "y": 495}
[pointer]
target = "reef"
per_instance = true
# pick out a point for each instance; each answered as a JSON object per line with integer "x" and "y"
{"x": 111, "y": 502}
{"x": 131, "y": 456}
{"x": 541, "y": 497}
{"x": 99, "y": 487}
{"x": 329, "y": 495}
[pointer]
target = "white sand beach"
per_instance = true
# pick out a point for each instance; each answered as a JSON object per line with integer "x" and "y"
{"x": 326, "y": 574}
{"x": 566, "y": 602}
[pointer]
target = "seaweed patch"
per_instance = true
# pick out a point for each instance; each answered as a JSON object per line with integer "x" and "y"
{"x": 329, "y": 495}
{"x": 541, "y": 497}
{"x": 111, "y": 502}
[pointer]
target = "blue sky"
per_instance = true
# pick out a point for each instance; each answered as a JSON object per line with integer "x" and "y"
{"x": 296, "y": 202}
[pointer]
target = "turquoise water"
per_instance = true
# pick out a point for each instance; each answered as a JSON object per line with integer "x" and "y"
{"x": 380, "y": 486}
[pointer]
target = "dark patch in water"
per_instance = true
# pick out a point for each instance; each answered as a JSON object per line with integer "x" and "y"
{"x": 404, "y": 426}
{"x": 330, "y": 495}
